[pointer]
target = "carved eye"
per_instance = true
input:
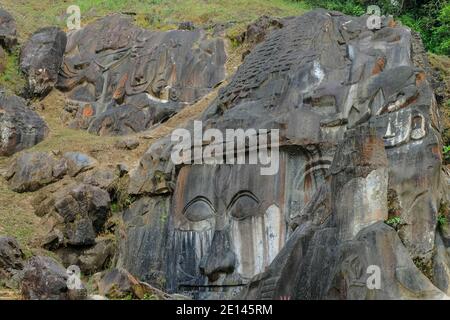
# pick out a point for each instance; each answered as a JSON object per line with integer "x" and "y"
{"x": 199, "y": 209}
{"x": 244, "y": 205}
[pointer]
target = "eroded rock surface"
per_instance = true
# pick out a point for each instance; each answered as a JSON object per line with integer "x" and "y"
{"x": 357, "y": 120}
{"x": 74, "y": 214}
{"x": 33, "y": 170}
{"x": 122, "y": 79}
{"x": 40, "y": 59}
{"x": 8, "y": 30}
{"x": 20, "y": 127}
{"x": 91, "y": 259}
{"x": 44, "y": 279}
{"x": 12, "y": 261}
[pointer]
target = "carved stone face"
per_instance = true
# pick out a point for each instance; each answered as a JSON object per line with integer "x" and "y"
{"x": 230, "y": 222}
{"x": 227, "y": 233}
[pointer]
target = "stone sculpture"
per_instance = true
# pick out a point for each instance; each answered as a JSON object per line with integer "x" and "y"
{"x": 357, "y": 121}
{"x": 122, "y": 79}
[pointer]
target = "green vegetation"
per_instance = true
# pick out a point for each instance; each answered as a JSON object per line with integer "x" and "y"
{"x": 432, "y": 21}
{"x": 395, "y": 222}
{"x": 446, "y": 153}
{"x": 11, "y": 78}
{"x": 159, "y": 14}
{"x": 442, "y": 220}
{"x": 350, "y": 7}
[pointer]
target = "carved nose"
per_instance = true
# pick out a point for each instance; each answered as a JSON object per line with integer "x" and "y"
{"x": 220, "y": 258}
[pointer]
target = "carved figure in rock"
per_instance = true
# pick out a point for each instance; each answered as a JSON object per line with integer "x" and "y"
{"x": 356, "y": 118}
{"x": 122, "y": 79}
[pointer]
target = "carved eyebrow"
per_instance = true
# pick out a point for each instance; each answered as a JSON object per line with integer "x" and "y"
{"x": 199, "y": 199}
{"x": 240, "y": 194}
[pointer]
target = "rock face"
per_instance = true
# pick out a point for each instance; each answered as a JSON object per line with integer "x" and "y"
{"x": 33, "y": 170}
{"x": 8, "y": 36}
{"x": 74, "y": 214}
{"x": 41, "y": 58}
{"x": 89, "y": 259}
{"x": 119, "y": 283}
{"x": 348, "y": 233}
{"x": 146, "y": 222}
{"x": 78, "y": 162}
{"x": 44, "y": 279}
{"x": 122, "y": 79}
{"x": 20, "y": 127}
{"x": 357, "y": 121}
{"x": 258, "y": 31}
{"x": 12, "y": 260}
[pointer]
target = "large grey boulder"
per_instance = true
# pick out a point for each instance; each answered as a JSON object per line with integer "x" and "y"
{"x": 12, "y": 261}
{"x": 156, "y": 172}
{"x": 122, "y": 79}
{"x": 89, "y": 259}
{"x": 78, "y": 162}
{"x": 8, "y": 31}
{"x": 119, "y": 283}
{"x": 104, "y": 178}
{"x": 20, "y": 126}
{"x": 73, "y": 215}
{"x": 44, "y": 279}
{"x": 40, "y": 59}
{"x": 34, "y": 170}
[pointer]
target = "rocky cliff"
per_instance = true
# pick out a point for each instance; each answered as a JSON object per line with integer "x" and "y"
{"x": 355, "y": 209}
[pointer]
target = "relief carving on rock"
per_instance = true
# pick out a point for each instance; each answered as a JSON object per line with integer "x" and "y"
{"x": 356, "y": 118}
{"x": 121, "y": 79}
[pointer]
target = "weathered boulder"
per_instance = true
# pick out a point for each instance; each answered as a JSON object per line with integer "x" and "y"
{"x": 104, "y": 178}
{"x": 44, "y": 279}
{"x": 89, "y": 259}
{"x": 78, "y": 162}
{"x": 34, "y": 170}
{"x": 122, "y": 79}
{"x": 377, "y": 247}
{"x": 127, "y": 144}
{"x": 20, "y": 127}
{"x": 258, "y": 31}
{"x": 119, "y": 283}
{"x": 12, "y": 260}
{"x": 74, "y": 214}
{"x": 8, "y": 31}
{"x": 155, "y": 172}
{"x": 40, "y": 59}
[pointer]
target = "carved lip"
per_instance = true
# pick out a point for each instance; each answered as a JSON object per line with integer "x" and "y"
{"x": 217, "y": 287}
{"x": 226, "y": 283}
